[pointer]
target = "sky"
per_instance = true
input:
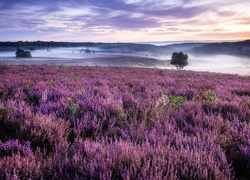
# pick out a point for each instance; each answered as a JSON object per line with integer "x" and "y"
{"x": 124, "y": 20}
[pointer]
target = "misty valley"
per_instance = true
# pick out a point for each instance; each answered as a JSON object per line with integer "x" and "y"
{"x": 224, "y": 57}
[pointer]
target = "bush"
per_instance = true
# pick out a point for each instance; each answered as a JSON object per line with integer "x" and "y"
{"x": 179, "y": 60}
{"x": 176, "y": 101}
{"x": 87, "y": 51}
{"x": 20, "y": 53}
{"x": 14, "y": 146}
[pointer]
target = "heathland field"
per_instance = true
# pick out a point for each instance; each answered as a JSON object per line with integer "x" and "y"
{"x": 59, "y": 122}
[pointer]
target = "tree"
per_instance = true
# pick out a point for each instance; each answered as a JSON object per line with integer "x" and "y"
{"x": 20, "y": 53}
{"x": 179, "y": 60}
{"x": 87, "y": 51}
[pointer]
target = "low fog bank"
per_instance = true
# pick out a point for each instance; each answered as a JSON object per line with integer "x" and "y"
{"x": 125, "y": 55}
{"x": 84, "y": 56}
{"x": 219, "y": 63}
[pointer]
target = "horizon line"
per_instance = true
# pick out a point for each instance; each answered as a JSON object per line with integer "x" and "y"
{"x": 140, "y": 42}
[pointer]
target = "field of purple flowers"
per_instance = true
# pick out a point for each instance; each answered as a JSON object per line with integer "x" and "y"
{"x": 60, "y": 122}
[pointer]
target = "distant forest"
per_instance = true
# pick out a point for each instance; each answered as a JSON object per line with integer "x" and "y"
{"x": 240, "y": 48}
{"x": 122, "y": 47}
{"x": 46, "y": 44}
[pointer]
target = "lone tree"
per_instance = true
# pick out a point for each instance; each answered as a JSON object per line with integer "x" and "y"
{"x": 179, "y": 60}
{"x": 87, "y": 51}
{"x": 20, "y": 53}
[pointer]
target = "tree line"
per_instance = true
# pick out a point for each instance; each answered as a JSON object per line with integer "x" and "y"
{"x": 45, "y": 44}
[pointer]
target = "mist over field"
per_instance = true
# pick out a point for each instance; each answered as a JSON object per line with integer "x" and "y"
{"x": 220, "y": 63}
{"x": 138, "y": 55}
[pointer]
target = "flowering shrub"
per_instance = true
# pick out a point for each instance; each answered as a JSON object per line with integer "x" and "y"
{"x": 13, "y": 146}
{"x": 62, "y": 122}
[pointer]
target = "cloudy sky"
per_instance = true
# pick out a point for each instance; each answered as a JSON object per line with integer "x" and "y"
{"x": 124, "y": 20}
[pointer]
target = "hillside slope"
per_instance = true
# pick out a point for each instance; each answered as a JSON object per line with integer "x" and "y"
{"x": 62, "y": 122}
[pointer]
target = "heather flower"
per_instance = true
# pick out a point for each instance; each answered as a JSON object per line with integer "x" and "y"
{"x": 14, "y": 146}
{"x": 60, "y": 122}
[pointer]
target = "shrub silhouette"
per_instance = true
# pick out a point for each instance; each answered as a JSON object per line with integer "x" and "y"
{"x": 179, "y": 60}
{"x": 87, "y": 51}
{"x": 20, "y": 53}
